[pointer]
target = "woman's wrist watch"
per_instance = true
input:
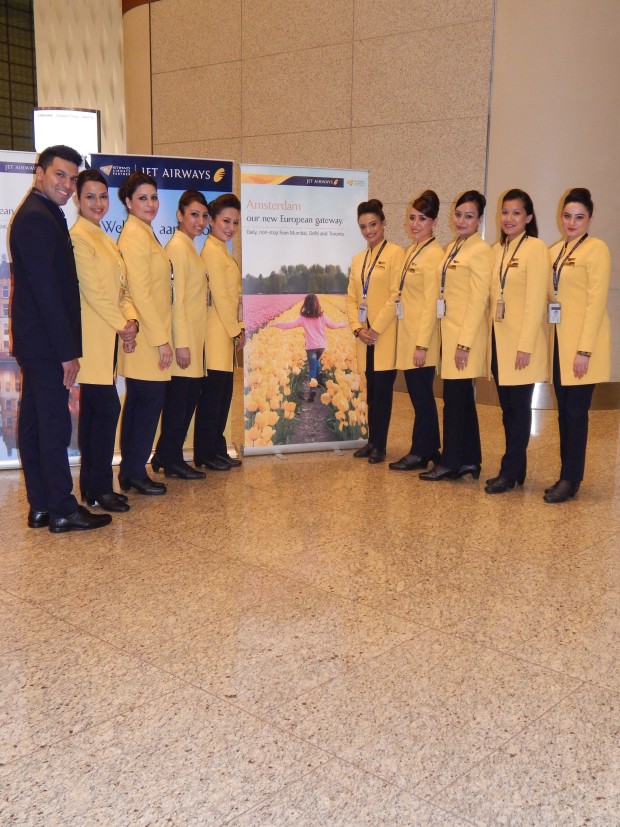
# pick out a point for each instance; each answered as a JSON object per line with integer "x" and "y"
{"x": 419, "y": 347}
{"x": 463, "y": 348}
{"x": 583, "y": 353}
{"x": 356, "y": 332}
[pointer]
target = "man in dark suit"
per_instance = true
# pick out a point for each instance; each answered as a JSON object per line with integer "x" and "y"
{"x": 47, "y": 342}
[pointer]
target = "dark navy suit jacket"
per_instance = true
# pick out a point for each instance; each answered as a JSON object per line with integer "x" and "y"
{"x": 45, "y": 305}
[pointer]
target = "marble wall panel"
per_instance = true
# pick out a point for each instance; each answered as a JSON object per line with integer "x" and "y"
{"x": 423, "y": 75}
{"x": 185, "y": 33}
{"x": 447, "y": 156}
{"x": 297, "y": 91}
{"x": 197, "y": 104}
{"x": 379, "y": 18}
{"x": 271, "y": 26}
{"x": 324, "y": 148}
{"x": 225, "y": 149}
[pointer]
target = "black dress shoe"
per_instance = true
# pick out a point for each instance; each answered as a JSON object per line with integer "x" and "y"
{"x": 499, "y": 485}
{"x": 234, "y": 463}
{"x": 552, "y": 488}
{"x": 123, "y": 497}
{"x": 363, "y": 452}
{"x": 409, "y": 463}
{"x": 184, "y": 471}
{"x": 562, "y": 491}
{"x": 216, "y": 464}
{"x": 80, "y": 520}
{"x": 438, "y": 472}
{"x": 109, "y": 502}
{"x": 464, "y": 470}
{"x": 376, "y": 456}
{"x": 143, "y": 486}
{"x": 38, "y": 519}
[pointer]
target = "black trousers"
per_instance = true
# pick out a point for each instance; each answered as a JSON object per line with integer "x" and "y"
{"x": 144, "y": 400}
{"x": 44, "y": 435}
{"x": 425, "y": 436}
{"x": 182, "y": 394}
{"x": 573, "y": 405}
{"x": 212, "y": 413}
{"x": 461, "y": 433}
{"x": 379, "y": 384}
{"x": 516, "y": 402}
{"x": 99, "y": 412}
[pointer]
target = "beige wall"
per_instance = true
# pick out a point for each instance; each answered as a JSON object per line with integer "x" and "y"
{"x": 395, "y": 87}
{"x": 79, "y": 51}
{"x": 554, "y": 117}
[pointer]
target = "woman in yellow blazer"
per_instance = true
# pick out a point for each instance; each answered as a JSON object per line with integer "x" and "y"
{"x": 371, "y": 311}
{"x": 417, "y": 352}
{"x": 581, "y": 341}
{"x": 517, "y": 347}
{"x": 464, "y": 278}
{"x": 107, "y": 312}
{"x": 147, "y": 369}
{"x": 189, "y": 316}
{"x": 225, "y": 333}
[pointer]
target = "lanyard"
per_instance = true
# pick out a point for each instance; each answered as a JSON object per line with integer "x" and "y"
{"x": 367, "y": 282}
{"x": 453, "y": 254}
{"x": 410, "y": 261}
{"x": 557, "y": 271}
{"x": 502, "y": 278}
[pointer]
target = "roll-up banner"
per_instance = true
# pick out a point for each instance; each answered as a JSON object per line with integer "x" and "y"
{"x": 173, "y": 176}
{"x": 302, "y": 389}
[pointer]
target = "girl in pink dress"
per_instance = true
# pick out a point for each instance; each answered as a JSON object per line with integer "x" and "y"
{"x": 314, "y": 323}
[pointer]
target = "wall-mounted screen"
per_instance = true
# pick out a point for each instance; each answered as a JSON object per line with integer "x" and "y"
{"x": 78, "y": 128}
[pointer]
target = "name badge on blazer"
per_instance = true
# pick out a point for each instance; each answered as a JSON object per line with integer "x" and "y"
{"x": 514, "y": 263}
{"x": 380, "y": 265}
{"x": 453, "y": 265}
{"x": 570, "y": 262}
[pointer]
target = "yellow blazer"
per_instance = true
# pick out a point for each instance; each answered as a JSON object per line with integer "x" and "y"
{"x": 148, "y": 276}
{"x": 104, "y": 298}
{"x": 420, "y": 325}
{"x": 468, "y": 282}
{"x": 584, "y": 325}
{"x": 189, "y": 310}
{"x": 382, "y": 292}
{"x": 525, "y": 325}
{"x": 224, "y": 278}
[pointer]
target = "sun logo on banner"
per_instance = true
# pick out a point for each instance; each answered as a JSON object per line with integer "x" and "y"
{"x": 107, "y": 169}
{"x": 219, "y": 174}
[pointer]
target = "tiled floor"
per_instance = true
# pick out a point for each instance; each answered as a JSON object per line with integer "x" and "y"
{"x": 317, "y": 641}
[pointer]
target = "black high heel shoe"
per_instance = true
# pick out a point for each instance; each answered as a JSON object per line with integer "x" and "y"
{"x": 143, "y": 486}
{"x": 499, "y": 485}
{"x": 438, "y": 472}
{"x": 156, "y": 464}
{"x": 562, "y": 491}
{"x": 464, "y": 470}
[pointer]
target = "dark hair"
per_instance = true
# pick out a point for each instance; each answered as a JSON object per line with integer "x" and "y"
{"x": 224, "y": 202}
{"x": 473, "y": 195}
{"x": 59, "y": 151}
{"x": 311, "y": 307}
{"x": 580, "y": 195}
{"x": 188, "y": 197}
{"x": 531, "y": 228}
{"x": 374, "y": 206}
{"x": 131, "y": 184}
{"x": 89, "y": 175}
{"x": 427, "y": 203}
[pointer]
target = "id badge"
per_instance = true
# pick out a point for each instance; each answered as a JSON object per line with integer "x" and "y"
{"x": 554, "y": 312}
{"x": 500, "y": 310}
{"x": 240, "y": 310}
{"x": 441, "y": 308}
{"x": 362, "y": 313}
{"x": 398, "y": 306}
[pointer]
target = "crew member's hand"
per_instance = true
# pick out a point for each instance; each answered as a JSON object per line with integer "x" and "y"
{"x": 419, "y": 358}
{"x": 183, "y": 357}
{"x": 581, "y": 365}
{"x": 522, "y": 360}
{"x": 70, "y": 372}
{"x": 240, "y": 341}
{"x": 461, "y": 358}
{"x": 165, "y": 356}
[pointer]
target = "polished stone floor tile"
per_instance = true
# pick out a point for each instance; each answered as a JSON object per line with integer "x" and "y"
{"x": 51, "y": 690}
{"x": 311, "y": 640}
{"x": 426, "y": 712}
{"x": 339, "y": 794}
{"x": 186, "y": 758}
{"x": 563, "y": 769}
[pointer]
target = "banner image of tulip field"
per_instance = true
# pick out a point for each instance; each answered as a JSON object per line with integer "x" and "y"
{"x": 302, "y": 389}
